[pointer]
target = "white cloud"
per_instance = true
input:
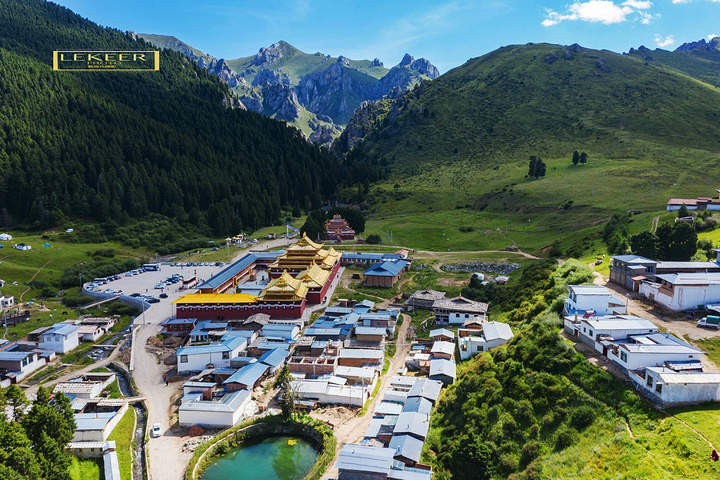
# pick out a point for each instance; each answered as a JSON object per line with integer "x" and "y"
{"x": 638, "y": 4}
{"x": 601, "y": 11}
{"x": 688, "y": 1}
{"x": 664, "y": 42}
{"x": 711, "y": 36}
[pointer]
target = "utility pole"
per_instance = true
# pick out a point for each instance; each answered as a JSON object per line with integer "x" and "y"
{"x": 652, "y": 190}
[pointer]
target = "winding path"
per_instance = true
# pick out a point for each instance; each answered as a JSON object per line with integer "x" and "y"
{"x": 33, "y": 278}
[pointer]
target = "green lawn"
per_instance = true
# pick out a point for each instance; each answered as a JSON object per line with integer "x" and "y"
{"x": 123, "y": 437}
{"x": 86, "y": 469}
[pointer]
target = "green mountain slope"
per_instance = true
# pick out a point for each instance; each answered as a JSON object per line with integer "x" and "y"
{"x": 119, "y": 145}
{"x": 458, "y": 147}
{"x": 699, "y": 60}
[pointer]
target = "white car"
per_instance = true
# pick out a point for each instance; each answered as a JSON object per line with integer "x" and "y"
{"x": 156, "y": 430}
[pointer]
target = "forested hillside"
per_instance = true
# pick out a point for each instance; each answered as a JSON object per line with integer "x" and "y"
{"x": 110, "y": 145}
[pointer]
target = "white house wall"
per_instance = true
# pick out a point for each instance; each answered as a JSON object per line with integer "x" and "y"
{"x": 209, "y": 418}
{"x": 637, "y": 360}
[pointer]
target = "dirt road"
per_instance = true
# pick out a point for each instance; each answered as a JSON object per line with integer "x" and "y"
{"x": 353, "y": 429}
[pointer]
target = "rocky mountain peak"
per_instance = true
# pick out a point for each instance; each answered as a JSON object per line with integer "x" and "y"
{"x": 406, "y": 60}
{"x": 377, "y": 63}
{"x": 343, "y": 60}
{"x": 713, "y": 44}
{"x": 425, "y": 67}
{"x": 271, "y": 54}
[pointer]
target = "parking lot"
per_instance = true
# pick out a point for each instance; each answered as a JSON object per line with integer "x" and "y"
{"x": 145, "y": 283}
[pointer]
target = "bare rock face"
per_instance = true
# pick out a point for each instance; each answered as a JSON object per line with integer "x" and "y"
{"x": 377, "y": 63}
{"x": 271, "y": 54}
{"x": 266, "y": 75}
{"x": 252, "y": 102}
{"x": 223, "y": 70}
{"x": 280, "y": 99}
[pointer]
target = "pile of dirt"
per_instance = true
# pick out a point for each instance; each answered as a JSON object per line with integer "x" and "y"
{"x": 160, "y": 349}
{"x": 196, "y": 431}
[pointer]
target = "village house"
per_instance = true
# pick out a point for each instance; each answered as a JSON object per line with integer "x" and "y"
{"x": 18, "y": 361}
{"x": 442, "y": 349}
{"x": 443, "y": 370}
{"x": 699, "y": 203}
{"x": 386, "y": 274}
{"x": 370, "y": 334}
{"x": 442, "y": 335}
{"x": 333, "y": 390}
{"x": 7, "y": 301}
{"x": 360, "y": 357}
{"x": 246, "y": 377}
{"x": 456, "y": 310}
{"x": 87, "y": 386}
{"x": 593, "y": 299}
{"x": 630, "y": 270}
{"x": 423, "y": 299}
{"x": 97, "y": 426}
{"x": 178, "y": 327}
{"x": 223, "y": 412}
{"x": 61, "y": 338}
{"x": 366, "y": 462}
{"x": 196, "y": 358}
{"x": 651, "y": 350}
{"x": 669, "y": 388}
{"x": 601, "y": 332}
{"x": 683, "y": 291}
{"x": 474, "y": 341}
{"x": 361, "y": 258}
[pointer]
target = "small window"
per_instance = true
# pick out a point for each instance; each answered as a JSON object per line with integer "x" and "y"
{"x": 183, "y": 359}
{"x": 658, "y": 387}
{"x": 590, "y": 333}
{"x": 479, "y": 348}
{"x": 649, "y": 381}
{"x": 225, "y": 355}
{"x": 623, "y": 356}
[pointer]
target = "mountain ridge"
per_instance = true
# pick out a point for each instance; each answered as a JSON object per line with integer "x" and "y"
{"x": 315, "y": 92}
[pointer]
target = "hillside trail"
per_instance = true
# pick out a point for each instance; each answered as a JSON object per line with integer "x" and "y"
{"x": 462, "y": 252}
{"x": 353, "y": 429}
{"x": 33, "y": 278}
{"x": 654, "y": 224}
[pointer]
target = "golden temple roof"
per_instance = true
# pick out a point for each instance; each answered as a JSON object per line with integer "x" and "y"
{"x": 214, "y": 298}
{"x": 314, "y": 276}
{"x": 285, "y": 287}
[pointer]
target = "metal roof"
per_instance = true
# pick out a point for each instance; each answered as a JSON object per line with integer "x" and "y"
{"x": 407, "y": 446}
{"x": 229, "y": 272}
{"x": 92, "y": 421}
{"x": 364, "y": 373}
{"x": 14, "y": 356}
{"x": 410, "y": 474}
{"x": 681, "y": 265}
{"x": 447, "y": 348}
{"x": 274, "y": 357}
{"x": 669, "y": 376}
{"x": 460, "y": 304}
{"x": 442, "y": 366}
{"x": 620, "y": 323}
{"x": 633, "y": 259}
{"x": 417, "y": 405}
{"x": 425, "y": 387}
{"x": 412, "y": 423}
{"x": 230, "y": 402}
{"x": 497, "y": 330}
{"x": 248, "y": 375}
{"x": 442, "y": 331}
{"x": 389, "y": 408}
{"x": 366, "y": 459}
{"x": 710, "y": 278}
{"x": 360, "y": 330}
{"x": 589, "y": 290}
{"x": 387, "y": 268}
{"x": 361, "y": 353}
{"x": 63, "y": 329}
{"x": 227, "y": 345}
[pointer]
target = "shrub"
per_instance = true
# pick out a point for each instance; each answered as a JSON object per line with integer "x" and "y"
{"x": 582, "y": 417}
{"x": 565, "y": 438}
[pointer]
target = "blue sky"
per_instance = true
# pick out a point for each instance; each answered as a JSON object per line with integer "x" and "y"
{"x": 447, "y": 33}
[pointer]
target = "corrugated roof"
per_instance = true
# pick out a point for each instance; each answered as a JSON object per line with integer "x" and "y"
{"x": 366, "y": 459}
{"x": 92, "y": 421}
{"x": 274, "y": 357}
{"x": 361, "y": 353}
{"x": 441, "y": 331}
{"x": 229, "y": 272}
{"x": 227, "y": 345}
{"x": 589, "y": 289}
{"x": 669, "y": 376}
{"x": 633, "y": 259}
{"x": 407, "y": 446}
{"x": 389, "y": 408}
{"x": 412, "y": 423}
{"x": 425, "y": 387}
{"x": 360, "y": 330}
{"x": 447, "y": 348}
{"x": 418, "y": 405}
{"x": 442, "y": 366}
{"x": 248, "y": 375}
{"x": 497, "y": 330}
{"x": 460, "y": 304}
{"x": 711, "y": 278}
{"x": 63, "y": 329}
{"x": 387, "y": 268}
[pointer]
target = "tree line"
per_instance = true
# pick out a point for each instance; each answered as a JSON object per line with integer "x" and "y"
{"x": 124, "y": 146}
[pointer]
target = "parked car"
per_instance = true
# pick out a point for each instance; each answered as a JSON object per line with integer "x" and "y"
{"x": 156, "y": 430}
{"x": 135, "y": 295}
{"x": 163, "y": 295}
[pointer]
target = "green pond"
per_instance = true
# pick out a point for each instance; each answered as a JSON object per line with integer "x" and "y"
{"x": 273, "y": 458}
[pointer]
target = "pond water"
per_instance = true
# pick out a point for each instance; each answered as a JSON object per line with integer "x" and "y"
{"x": 273, "y": 458}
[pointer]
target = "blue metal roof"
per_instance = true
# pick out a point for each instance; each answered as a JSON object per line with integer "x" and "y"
{"x": 229, "y": 272}
{"x": 274, "y": 357}
{"x": 407, "y": 446}
{"x": 387, "y": 269}
{"x": 248, "y": 375}
{"x": 62, "y": 329}
{"x": 417, "y": 405}
{"x": 226, "y": 345}
{"x": 364, "y": 458}
{"x": 14, "y": 356}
